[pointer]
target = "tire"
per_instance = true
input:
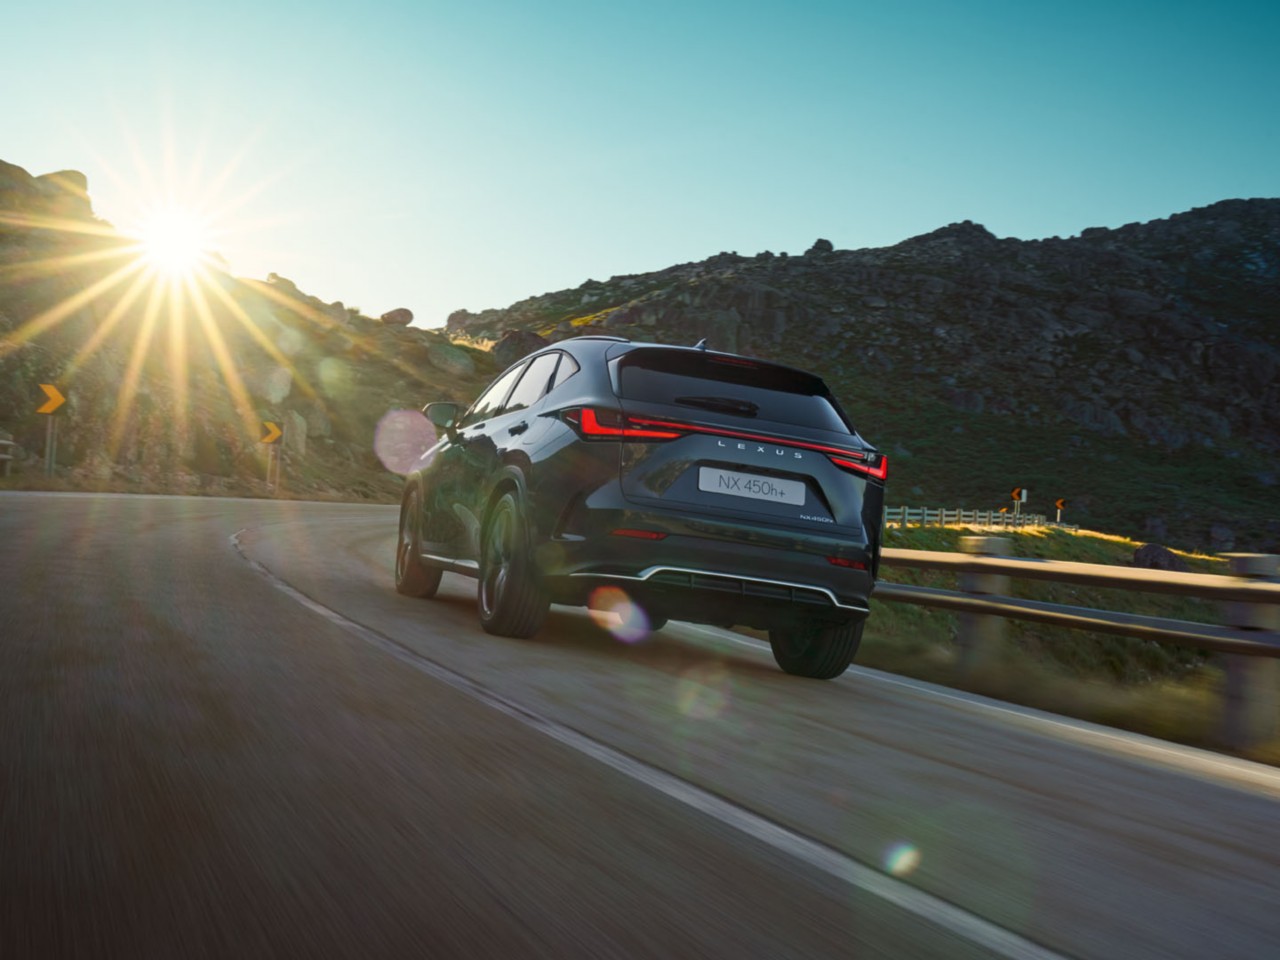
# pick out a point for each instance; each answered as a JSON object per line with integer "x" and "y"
{"x": 511, "y": 600}
{"x": 819, "y": 651}
{"x": 413, "y": 577}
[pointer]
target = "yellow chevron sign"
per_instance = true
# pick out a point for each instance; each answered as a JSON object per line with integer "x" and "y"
{"x": 273, "y": 433}
{"x": 56, "y": 399}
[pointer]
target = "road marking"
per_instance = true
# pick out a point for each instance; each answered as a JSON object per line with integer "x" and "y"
{"x": 1223, "y": 770}
{"x": 947, "y": 916}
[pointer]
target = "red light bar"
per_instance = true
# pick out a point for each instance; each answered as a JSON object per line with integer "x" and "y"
{"x": 638, "y": 534}
{"x": 742, "y": 435}
{"x": 842, "y": 562}
{"x": 589, "y": 423}
{"x": 878, "y": 472}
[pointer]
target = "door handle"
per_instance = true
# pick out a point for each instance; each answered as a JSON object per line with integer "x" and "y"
{"x": 520, "y": 427}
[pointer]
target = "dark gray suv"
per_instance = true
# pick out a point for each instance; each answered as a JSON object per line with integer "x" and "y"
{"x": 698, "y": 486}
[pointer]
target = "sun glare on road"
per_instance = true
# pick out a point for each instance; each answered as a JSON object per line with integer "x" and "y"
{"x": 174, "y": 241}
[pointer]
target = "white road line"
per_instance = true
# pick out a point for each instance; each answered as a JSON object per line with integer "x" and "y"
{"x": 996, "y": 940}
{"x": 1219, "y": 768}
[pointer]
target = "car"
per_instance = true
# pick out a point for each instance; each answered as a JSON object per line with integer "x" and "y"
{"x": 702, "y": 486}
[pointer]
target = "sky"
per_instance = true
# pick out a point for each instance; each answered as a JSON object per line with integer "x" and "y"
{"x": 445, "y": 155}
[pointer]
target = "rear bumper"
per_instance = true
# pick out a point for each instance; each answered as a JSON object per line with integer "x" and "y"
{"x": 707, "y": 570}
{"x": 704, "y": 596}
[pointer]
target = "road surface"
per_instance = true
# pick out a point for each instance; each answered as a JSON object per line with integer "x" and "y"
{"x": 224, "y": 735}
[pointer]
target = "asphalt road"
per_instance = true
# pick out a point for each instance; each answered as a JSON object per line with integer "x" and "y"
{"x": 223, "y": 734}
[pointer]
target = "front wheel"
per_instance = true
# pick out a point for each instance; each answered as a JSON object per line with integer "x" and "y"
{"x": 511, "y": 599}
{"x": 413, "y": 577}
{"x": 816, "y": 650}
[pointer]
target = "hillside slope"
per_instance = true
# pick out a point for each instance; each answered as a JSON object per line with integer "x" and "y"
{"x": 1134, "y": 372}
{"x": 169, "y": 383}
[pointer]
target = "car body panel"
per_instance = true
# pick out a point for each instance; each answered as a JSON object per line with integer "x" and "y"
{"x": 647, "y": 515}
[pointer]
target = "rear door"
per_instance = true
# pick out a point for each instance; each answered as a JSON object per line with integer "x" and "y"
{"x": 748, "y": 440}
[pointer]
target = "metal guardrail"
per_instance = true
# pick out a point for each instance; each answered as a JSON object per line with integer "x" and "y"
{"x": 6, "y": 455}
{"x": 1250, "y": 636}
{"x": 942, "y": 517}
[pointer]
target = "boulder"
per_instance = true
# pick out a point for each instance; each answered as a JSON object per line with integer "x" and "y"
{"x": 399, "y": 317}
{"x": 516, "y": 344}
{"x": 819, "y": 246}
{"x": 1153, "y": 556}
{"x": 337, "y": 312}
{"x": 450, "y": 360}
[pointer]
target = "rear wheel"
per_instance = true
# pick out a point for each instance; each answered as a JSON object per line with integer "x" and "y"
{"x": 511, "y": 599}
{"x": 817, "y": 650}
{"x": 413, "y": 577}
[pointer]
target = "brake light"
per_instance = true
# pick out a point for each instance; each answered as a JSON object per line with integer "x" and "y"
{"x": 639, "y": 534}
{"x": 601, "y": 424}
{"x": 876, "y": 467}
{"x": 842, "y": 562}
{"x": 611, "y": 425}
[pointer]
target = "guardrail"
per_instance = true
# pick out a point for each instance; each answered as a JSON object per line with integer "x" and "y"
{"x": 1249, "y": 639}
{"x": 6, "y": 454}
{"x": 942, "y": 517}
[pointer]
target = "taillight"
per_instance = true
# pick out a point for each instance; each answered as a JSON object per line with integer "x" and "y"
{"x": 637, "y": 534}
{"x": 874, "y": 465}
{"x": 596, "y": 424}
{"x": 843, "y": 562}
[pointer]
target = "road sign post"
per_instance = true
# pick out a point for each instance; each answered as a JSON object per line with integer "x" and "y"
{"x": 53, "y": 400}
{"x": 272, "y": 436}
{"x": 1019, "y": 496}
{"x": 1061, "y": 504}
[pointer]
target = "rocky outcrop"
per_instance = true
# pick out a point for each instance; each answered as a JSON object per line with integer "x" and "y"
{"x": 1162, "y": 332}
{"x": 450, "y": 360}
{"x": 516, "y": 344}
{"x": 399, "y": 317}
{"x": 1153, "y": 556}
{"x": 47, "y": 199}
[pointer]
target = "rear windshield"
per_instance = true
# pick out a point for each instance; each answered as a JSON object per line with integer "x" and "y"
{"x": 733, "y": 386}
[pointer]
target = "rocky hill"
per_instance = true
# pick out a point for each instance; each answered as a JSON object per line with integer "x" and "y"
{"x": 1134, "y": 372}
{"x": 169, "y": 390}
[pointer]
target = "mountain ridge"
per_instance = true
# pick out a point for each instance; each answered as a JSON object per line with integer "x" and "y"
{"x": 1134, "y": 371}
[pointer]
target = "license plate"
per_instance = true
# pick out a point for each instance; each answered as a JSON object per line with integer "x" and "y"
{"x": 751, "y": 485}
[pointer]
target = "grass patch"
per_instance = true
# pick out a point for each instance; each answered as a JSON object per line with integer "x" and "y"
{"x": 1162, "y": 690}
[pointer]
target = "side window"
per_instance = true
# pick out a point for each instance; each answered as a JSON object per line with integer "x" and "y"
{"x": 488, "y": 402}
{"x": 568, "y": 367}
{"x": 533, "y": 384}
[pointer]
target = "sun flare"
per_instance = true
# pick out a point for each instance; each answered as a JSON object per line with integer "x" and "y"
{"x": 174, "y": 241}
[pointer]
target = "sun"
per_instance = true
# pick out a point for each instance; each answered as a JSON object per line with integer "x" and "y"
{"x": 175, "y": 241}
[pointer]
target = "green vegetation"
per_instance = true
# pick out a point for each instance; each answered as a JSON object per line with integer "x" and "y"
{"x": 1161, "y": 690}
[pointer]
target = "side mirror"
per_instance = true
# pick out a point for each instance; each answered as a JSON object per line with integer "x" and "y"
{"x": 444, "y": 415}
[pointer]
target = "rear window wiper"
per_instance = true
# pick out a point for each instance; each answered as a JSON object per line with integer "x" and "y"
{"x": 744, "y": 408}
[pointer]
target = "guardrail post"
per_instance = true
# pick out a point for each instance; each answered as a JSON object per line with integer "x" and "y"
{"x": 1251, "y": 694}
{"x": 980, "y": 635}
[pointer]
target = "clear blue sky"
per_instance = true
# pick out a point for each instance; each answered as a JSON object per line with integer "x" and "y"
{"x": 439, "y": 155}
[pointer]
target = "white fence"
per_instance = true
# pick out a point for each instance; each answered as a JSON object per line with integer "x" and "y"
{"x": 942, "y": 517}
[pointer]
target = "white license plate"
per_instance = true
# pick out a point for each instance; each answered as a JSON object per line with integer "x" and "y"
{"x": 752, "y": 485}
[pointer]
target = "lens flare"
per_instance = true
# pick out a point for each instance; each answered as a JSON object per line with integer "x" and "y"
{"x": 401, "y": 437}
{"x": 704, "y": 692}
{"x": 613, "y": 610}
{"x": 901, "y": 859}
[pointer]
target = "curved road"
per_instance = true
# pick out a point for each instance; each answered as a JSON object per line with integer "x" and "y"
{"x": 223, "y": 734}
